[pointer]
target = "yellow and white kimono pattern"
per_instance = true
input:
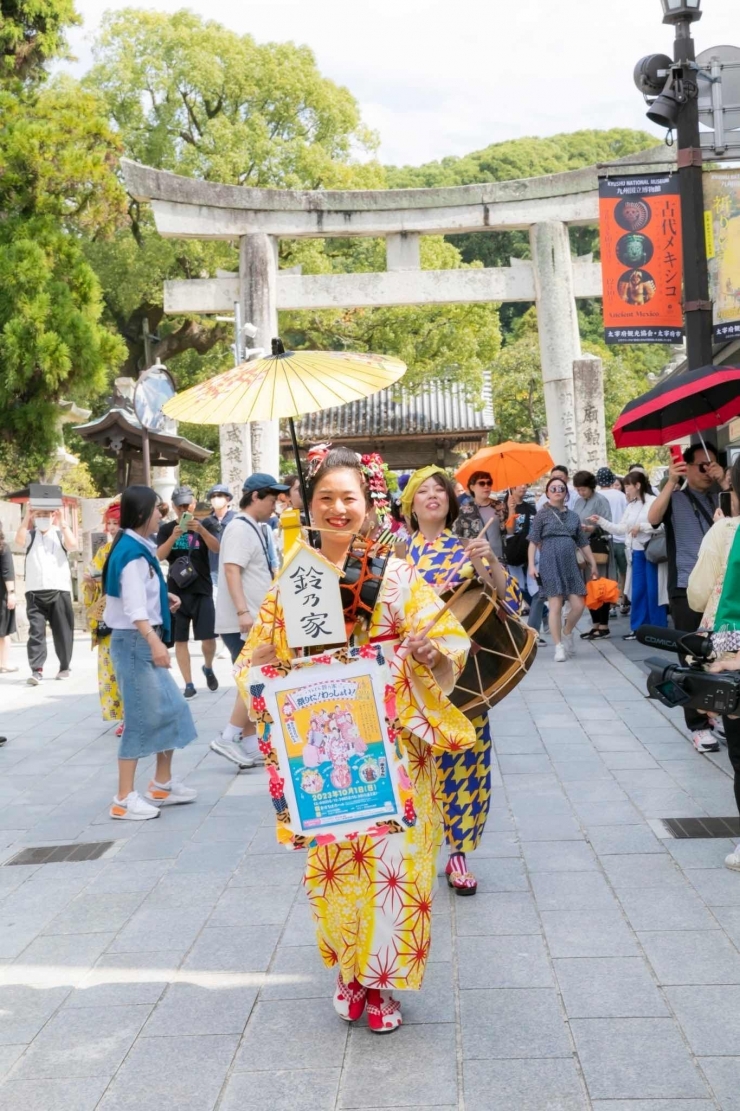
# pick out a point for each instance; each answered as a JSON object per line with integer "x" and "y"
{"x": 371, "y": 895}
{"x": 111, "y": 702}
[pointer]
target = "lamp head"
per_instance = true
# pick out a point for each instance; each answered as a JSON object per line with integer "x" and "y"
{"x": 676, "y": 10}
{"x": 651, "y": 74}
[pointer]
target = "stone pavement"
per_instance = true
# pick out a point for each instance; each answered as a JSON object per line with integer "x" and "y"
{"x": 598, "y": 966}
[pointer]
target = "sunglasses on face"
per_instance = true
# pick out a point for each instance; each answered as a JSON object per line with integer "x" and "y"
{"x": 484, "y": 482}
{"x": 557, "y": 489}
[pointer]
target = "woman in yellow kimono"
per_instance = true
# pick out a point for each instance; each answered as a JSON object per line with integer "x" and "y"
{"x": 371, "y": 895}
{"x": 111, "y": 703}
{"x": 430, "y": 506}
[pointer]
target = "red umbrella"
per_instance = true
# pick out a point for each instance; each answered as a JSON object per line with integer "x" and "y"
{"x": 679, "y": 406}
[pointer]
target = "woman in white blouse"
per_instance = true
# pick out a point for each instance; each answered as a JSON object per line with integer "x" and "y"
{"x": 157, "y": 717}
{"x": 646, "y": 585}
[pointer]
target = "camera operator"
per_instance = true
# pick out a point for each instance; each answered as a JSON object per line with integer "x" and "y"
{"x": 714, "y": 588}
{"x": 688, "y": 514}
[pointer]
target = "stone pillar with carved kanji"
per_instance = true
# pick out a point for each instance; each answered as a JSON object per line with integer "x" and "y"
{"x": 236, "y": 456}
{"x": 258, "y": 265}
{"x": 588, "y": 389}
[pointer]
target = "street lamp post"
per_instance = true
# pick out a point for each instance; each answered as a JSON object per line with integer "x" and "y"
{"x": 697, "y": 306}
{"x": 677, "y": 108}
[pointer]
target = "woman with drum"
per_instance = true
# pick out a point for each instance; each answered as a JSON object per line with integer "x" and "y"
{"x": 430, "y": 506}
{"x": 559, "y": 535}
{"x": 371, "y": 896}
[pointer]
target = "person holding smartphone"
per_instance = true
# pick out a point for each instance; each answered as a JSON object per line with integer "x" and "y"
{"x": 687, "y": 511}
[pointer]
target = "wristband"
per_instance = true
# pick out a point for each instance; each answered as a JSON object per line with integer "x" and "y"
{"x": 240, "y": 613}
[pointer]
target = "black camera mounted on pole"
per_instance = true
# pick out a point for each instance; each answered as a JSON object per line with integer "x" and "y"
{"x": 688, "y": 684}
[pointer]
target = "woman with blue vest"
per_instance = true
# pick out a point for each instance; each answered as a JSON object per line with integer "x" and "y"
{"x": 157, "y": 717}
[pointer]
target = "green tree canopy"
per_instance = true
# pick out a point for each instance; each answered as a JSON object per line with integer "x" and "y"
{"x": 32, "y": 34}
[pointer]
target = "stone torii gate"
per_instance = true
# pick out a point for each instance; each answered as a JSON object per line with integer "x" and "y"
{"x": 186, "y": 208}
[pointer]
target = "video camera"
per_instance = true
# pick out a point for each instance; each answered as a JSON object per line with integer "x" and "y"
{"x": 688, "y": 684}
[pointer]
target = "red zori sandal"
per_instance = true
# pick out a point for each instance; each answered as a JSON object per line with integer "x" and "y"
{"x": 383, "y": 1012}
{"x": 459, "y": 878}
{"x": 349, "y": 999}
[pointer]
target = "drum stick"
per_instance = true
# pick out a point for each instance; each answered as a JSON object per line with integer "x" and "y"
{"x": 403, "y": 651}
{"x": 465, "y": 558}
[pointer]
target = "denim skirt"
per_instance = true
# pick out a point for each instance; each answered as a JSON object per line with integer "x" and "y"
{"x": 156, "y": 716}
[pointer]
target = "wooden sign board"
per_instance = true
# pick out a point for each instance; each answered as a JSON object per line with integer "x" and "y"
{"x": 312, "y": 602}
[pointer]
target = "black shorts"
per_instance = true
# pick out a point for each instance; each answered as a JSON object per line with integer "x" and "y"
{"x": 199, "y": 609}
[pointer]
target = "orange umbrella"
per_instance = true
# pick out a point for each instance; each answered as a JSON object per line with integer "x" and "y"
{"x": 508, "y": 464}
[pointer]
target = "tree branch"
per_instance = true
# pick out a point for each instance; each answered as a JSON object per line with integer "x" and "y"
{"x": 191, "y": 336}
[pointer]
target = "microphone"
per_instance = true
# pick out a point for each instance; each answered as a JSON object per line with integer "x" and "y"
{"x": 673, "y": 640}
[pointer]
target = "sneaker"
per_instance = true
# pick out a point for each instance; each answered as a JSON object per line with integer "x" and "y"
{"x": 35, "y": 679}
{"x": 704, "y": 741}
{"x": 613, "y": 611}
{"x": 718, "y": 729}
{"x": 211, "y": 679}
{"x": 569, "y": 644}
{"x": 190, "y": 691}
{"x": 64, "y": 674}
{"x": 173, "y": 795}
{"x": 133, "y": 809}
{"x": 560, "y": 656}
{"x": 251, "y": 759}
{"x": 541, "y": 642}
{"x": 732, "y": 860}
{"x": 630, "y": 636}
{"x": 231, "y": 750}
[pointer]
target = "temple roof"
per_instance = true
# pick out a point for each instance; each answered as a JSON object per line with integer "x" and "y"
{"x": 120, "y": 426}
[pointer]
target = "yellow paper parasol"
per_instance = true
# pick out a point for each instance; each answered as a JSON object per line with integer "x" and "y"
{"x": 287, "y": 384}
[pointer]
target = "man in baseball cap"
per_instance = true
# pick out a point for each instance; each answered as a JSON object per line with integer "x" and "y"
{"x": 245, "y": 575}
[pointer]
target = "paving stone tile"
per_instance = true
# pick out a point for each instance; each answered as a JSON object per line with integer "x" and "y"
{"x": 187, "y": 889}
{"x": 263, "y": 871}
{"x": 300, "y": 1090}
{"x": 171, "y": 929}
{"x": 416, "y": 1066}
{"x": 299, "y": 928}
{"x": 609, "y": 987}
{"x": 234, "y": 949}
{"x": 571, "y": 891}
{"x": 692, "y": 957}
{"x": 91, "y": 1041}
{"x": 195, "y": 1069}
{"x": 77, "y": 951}
{"x": 513, "y": 765}
{"x": 136, "y": 875}
{"x": 545, "y": 828}
{"x": 559, "y": 856}
{"x": 718, "y": 887}
{"x": 496, "y": 845}
{"x": 572, "y": 771}
{"x": 594, "y": 790}
{"x": 62, "y": 1095}
{"x": 223, "y": 857}
{"x": 647, "y": 872}
{"x": 297, "y": 972}
{"x": 498, "y": 913}
{"x": 636, "y": 1058}
{"x": 248, "y": 906}
{"x": 512, "y": 1022}
{"x": 165, "y": 846}
{"x": 597, "y": 933}
{"x": 237, "y": 828}
{"x": 24, "y": 1010}
{"x": 607, "y": 813}
{"x": 520, "y": 1085}
{"x": 435, "y": 1003}
{"x": 610, "y": 840}
{"x": 309, "y": 1036}
{"x": 653, "y": 1105}
{"x": 504, "y": 962}
{"x": 9, "y": 1054}
{"x": 528, "y": 744}
{"x": 632, "y": 760}
{"x": 500, "y": 875}
{"x": 663, "y": 908}
{"x": 729, "y": 920}
{"x": 186, "y": 1010}
{"x": 88, "y": 914}
{"x": 723, "y": 1074}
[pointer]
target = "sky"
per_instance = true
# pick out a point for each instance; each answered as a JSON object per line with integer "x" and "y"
{"x": 436, "y": 78}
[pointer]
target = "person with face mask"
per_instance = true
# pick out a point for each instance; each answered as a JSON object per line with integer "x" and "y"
{"x": 47, "y": 540}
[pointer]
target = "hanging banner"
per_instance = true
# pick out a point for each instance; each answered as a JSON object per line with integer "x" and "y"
{"x": 722, "y": 228}
{"x": 641, "y": 258}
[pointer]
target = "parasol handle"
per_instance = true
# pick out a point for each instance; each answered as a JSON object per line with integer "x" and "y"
{"x": 301, "y": 479}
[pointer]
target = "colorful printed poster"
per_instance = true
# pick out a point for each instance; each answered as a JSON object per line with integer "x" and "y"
{"x": 342, "y": 772}
{"x": 722, "y": 228}
{"x": 641, "y": 259}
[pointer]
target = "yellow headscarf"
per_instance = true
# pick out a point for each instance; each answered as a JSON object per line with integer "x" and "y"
{"x": 417, "y": 479}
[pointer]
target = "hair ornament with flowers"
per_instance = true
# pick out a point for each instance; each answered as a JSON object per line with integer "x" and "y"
{"x": 315, "y": 457}
{"x": 373, "y": 469}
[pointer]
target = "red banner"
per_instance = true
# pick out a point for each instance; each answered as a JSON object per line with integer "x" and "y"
{"x": 641, "y": 259}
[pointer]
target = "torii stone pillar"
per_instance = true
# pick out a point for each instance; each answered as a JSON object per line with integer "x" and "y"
{"x": 560, "y": 343}
{"x": 258, "y": 294}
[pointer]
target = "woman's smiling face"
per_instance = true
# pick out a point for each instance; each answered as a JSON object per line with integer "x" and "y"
{"x": 431, "y": 502}
{"x": 338, "y": 502}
